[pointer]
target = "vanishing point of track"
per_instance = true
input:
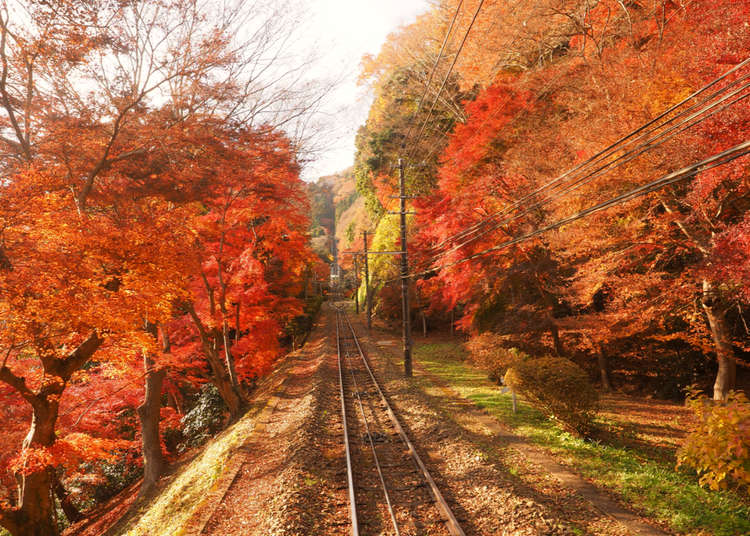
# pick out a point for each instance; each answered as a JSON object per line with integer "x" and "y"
{"x": 390, "y": 489}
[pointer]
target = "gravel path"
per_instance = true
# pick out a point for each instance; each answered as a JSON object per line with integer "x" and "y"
{"x": 260, "y": 498}
{"x": 292, "y": 481}
{"x": 505, "y": 484}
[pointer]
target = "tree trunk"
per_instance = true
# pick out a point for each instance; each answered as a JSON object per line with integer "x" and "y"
{"x": 36, "y": 509}
{"x": 602, "y": 362}
{"x": 726, "y": 376}
{"x": 148, "y": 414}
{"x": 219, "y": 375}
{"x": 549, "y": 313}
{"x": 10, "y": 520}
{"x": 220, "y": 379}
{"x": 35, "y": 513}
{"x": 229, "y": 358}
{"x": 557, "y": 343}
{"x": 424, "y": 325}
{"x": 237, "y": 322}
{"x": 71, "y": 512}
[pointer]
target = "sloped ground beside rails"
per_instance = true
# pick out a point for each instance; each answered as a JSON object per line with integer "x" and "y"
{"x": 274, "y": 486}
{"x": 197, "y": 485}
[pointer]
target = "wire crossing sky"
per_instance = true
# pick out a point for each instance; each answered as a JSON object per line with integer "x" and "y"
{"x": 345, "y": 30}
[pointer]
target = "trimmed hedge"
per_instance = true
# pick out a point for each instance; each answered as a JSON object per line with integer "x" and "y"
{"x": 486, "y": 352}
{"x": 558, "y": 388}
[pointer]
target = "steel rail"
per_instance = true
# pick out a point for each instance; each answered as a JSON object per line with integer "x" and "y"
{"x": 349, "y": 473}
{"x": 370, "y": 440}
{"x": 450, "y": 519}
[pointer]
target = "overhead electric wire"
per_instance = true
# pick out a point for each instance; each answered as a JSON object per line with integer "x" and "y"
{"x": 447, "y": 77}
{"x": 444, "y": 133}
{"x": 606, "y": 152}
{"x": 432, "y": 74}
{"x": 685, "y": 173}
{"x": 638, "y": 134}
{"x": 429, "y": 80}
{"x": 620, "y": 160}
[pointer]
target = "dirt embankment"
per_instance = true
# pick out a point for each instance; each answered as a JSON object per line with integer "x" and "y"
{"x": 281, "y": 470}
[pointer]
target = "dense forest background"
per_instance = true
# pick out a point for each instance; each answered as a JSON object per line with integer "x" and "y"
{"x": 651, "y": 294}
{"x": 577, "y": 170}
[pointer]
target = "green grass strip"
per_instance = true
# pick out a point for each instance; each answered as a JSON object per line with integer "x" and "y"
{"x": 651, "y": 486}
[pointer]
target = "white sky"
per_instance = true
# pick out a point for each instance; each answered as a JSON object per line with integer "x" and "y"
{"x": 346, "y": 30}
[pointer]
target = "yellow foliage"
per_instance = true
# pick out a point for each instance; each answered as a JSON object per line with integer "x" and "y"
{"x": 718, "y": 447}
{"x": 486, "y": 351}
{"x": 557, "y": 387}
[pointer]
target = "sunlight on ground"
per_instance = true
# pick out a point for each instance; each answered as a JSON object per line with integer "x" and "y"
{"x": 644, "y": 480}
{"x": 173, "y": 508}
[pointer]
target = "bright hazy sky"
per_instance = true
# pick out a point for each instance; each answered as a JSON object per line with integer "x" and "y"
{"x": 346, "y": 30}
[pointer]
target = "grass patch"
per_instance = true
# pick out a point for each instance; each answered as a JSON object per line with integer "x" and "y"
{"x": 650, "y": 485}
{"x": 169, "y": 512}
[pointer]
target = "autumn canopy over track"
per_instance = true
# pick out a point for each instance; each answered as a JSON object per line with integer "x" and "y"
{"x": 390, "y": 489}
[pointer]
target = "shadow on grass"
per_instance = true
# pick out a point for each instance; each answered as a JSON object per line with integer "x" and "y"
{"x": 493, "y": 452}
{"x": 638, "y": 476}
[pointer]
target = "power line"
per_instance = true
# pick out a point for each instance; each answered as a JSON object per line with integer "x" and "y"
{"x": 432, "y": 74}
{"x": 620, "y": 160}
{"x": 507, "y": 43}
{"x": 606, "y": 152}
{"x": 683, "y": 174}
{"x": 405, "y": 309}
{"x": 447, "y": 77}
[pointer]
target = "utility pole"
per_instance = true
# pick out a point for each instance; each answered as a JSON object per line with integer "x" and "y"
{"x": 368, "y": 296}
{"x": 356, "y": 284}
{"x": 405, "y": 309}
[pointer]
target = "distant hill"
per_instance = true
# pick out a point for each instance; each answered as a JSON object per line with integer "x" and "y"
{"x": 337, "y": 210}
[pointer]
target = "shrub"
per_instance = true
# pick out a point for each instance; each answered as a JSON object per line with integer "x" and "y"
{"x": 205, "y": 418}
{"x": 173, "y": 440}
{"x": 118, "y": 475}
{"x": 98, "y": 481}
{"x": 718, "y": 446}
{"x": 300, "y": 326}
{"x": 558, "y": 388}
{"x": 486, "y": 352}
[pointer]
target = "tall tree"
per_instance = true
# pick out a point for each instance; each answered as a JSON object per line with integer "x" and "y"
{"x": 616, "y": 67}
{"x": 93, "y": 241}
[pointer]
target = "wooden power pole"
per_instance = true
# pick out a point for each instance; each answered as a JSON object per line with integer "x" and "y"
{"x": 405, "y": 309}
{"x": 356, "y": 284}
{"x": 368, "y": 294}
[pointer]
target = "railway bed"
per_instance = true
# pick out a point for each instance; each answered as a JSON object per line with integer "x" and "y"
{"x": 390, "y": 490}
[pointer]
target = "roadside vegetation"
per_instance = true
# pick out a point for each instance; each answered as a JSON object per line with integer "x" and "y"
{"x": 581, "y": 216}
{"x": 153, "y": 238}
{"x": 641, "y": 476}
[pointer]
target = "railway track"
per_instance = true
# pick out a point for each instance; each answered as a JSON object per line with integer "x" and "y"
{"x": 390, "y": 491}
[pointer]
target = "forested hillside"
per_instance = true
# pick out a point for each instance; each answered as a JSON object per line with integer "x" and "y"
{"x": 554, "y": 197}
{"x": 337, "y": 209}
{"x": 154, "y": 259}
{"x": 550, "y": 205}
